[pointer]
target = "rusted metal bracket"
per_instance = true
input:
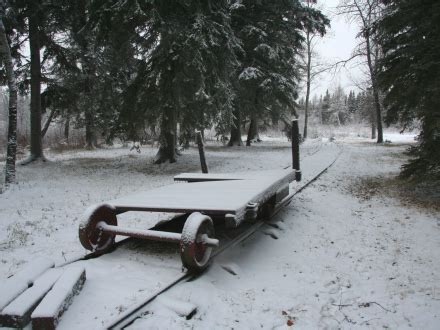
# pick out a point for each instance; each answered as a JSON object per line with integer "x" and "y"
{"x": 251, "y": 211}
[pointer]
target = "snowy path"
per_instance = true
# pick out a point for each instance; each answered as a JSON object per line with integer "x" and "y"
{"x": 338, "y": 262}
{"x": 132, "y": 273}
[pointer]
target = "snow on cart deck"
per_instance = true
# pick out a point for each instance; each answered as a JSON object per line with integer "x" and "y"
{"x": 200, "y": 177}
{"x": 229, "y": 195}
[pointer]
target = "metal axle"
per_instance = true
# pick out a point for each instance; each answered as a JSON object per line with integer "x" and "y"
{"x": 152, "y": 235}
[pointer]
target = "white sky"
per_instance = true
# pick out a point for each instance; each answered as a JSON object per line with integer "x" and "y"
{"x": 337, "y": 45}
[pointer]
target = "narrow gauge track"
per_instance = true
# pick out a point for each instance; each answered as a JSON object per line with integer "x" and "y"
{"x": 130, "y": 315}
{"x": 170, "y": 223}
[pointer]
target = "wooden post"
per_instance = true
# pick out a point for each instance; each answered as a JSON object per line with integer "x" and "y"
{"x": 48, "y": 313}
{"x": 295, "y": 149}
{"x": 201, "y": 152}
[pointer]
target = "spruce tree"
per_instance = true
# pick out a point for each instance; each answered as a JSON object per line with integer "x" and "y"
{"x": 410, "y": 76}
{"x": 188, "y": 52}
{"x": 33, "y": 23}
{"x": 269, "y": 72}
{"x": 267, "y": 80}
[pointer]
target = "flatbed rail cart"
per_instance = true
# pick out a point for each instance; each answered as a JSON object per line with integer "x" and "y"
{"x": 232, "y": 198}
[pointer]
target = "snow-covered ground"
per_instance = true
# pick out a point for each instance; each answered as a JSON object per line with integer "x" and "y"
{"x": 342, "y": 257}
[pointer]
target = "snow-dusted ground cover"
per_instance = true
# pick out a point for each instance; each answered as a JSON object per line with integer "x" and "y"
{"x": 342, "y": 258}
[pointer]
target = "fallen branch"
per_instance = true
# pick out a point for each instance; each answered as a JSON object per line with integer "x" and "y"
{"x": 342, "y": 305}
{"x": 367, "y": 304}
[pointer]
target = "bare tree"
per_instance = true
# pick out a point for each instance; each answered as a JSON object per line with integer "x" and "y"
{"x": 365, "y": 13}
{"x": 12, "y": 120}
{"x": 311, "y": 68}
{"x": 309, "y": 46}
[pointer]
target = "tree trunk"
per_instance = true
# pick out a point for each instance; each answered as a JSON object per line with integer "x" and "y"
{"x": 12, "y": 107}
{"x": 308, "y": 82}
{"x": 90, "y": 138}
{"x": 253, "y": 134}
{"x": 203, "y": 164}
{"x": 236, "y": 129}
{"x": 47, "y": 123}
{"x": 167, "y": 137}
{"x": 66, "y": 128}
{"x": 378, "y": 115}
{"x": 373, "y": 125}
{"x": 377, "y": 105}
{"x": 34, "y": 45}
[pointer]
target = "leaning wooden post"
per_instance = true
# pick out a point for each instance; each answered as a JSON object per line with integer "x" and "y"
{"x": 201, "y": 152}
{"x": 295, "y": 149}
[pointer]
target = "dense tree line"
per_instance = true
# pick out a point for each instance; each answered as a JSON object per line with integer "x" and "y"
{"x": 128, "y": 69}
{"x": 340, "y": 109}
{"x": 123, "y": 68}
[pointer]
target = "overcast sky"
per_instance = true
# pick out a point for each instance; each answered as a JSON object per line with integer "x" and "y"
{"x": 337, "y": 45}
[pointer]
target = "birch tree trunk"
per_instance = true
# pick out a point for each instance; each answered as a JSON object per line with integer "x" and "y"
{"x": 12, "y": 107}
{"x": 308, "y": 82}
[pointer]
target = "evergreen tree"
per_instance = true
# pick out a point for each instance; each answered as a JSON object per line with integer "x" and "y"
{"x": 325, "y": 108}
{"x": 186, "y": 53}
{"x": 410, "y": 77}
{"x": 267, "y": 80}
{"x": 34, "y": 23}
{"x": 338, "y": 111}
{"x": 351, "y": 102}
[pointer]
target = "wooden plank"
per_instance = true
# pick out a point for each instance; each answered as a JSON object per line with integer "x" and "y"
{"x": 18, "y": 312}
{"x": 211, "y": 197}
{"x": 262, "y": 196}
{"x": 251, "y": 175}
{"x": 203, "y": 164}
{"x": 202, "y": 177}
{"x": 56, "y": 302}
{"x": 218, "y": 197}
{"x": 12, "y": 287}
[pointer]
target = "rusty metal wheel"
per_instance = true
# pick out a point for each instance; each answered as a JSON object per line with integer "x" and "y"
{"x": 194, "y": 251}
{"x": 90, "y": 236}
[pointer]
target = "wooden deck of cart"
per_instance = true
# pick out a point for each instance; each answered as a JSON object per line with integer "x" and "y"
{"x": 229, "y": 195}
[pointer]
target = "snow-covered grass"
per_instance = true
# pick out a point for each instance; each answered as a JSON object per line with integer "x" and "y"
{"x": 339, "y": 261}
{"x": 342, "y": 258}
{"x": 42, "y": 212}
